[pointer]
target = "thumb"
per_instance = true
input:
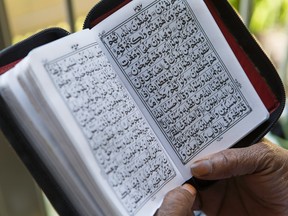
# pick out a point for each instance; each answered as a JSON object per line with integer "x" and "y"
{"x": 234, "y": 162}
{"x": 178, "y": 202}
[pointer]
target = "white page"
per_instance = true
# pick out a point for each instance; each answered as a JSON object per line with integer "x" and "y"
{"x": 43, "y": 139}
{"x": 104, "y": 124}
{"x": 159, "y": 47}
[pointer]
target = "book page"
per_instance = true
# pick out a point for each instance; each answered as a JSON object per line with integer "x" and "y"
{"x": 176, "y": 63}
{"x": 104, "y": 124}
{"x": 42, "y": 136}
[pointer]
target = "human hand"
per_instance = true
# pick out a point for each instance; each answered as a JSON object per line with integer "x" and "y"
{"x": 253, "y": 181}
{"x": 178, "y": 202}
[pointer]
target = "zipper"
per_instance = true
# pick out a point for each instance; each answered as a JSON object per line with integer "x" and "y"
{"x": 87, "y": 20}
{"x": 105, "y": 7}
{"x": 282, "y": 98}
{"x": 20, "y": 45}
{"x": 280, "y": 92}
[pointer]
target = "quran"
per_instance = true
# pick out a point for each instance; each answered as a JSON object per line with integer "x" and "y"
{"x": 118, "y": 113}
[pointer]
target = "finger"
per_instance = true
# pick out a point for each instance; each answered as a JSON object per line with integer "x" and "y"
{"x": 178, "y": 202}
{"x": 234, "y": 162}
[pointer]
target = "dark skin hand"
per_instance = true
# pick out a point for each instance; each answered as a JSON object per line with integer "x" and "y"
{"x": 178, "y": 202}
{"x": 252, "y": 181}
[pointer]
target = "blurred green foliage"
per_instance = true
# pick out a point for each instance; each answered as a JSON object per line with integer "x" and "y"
{"x": 266, "y": 14}
{"x": 235, "y": 3}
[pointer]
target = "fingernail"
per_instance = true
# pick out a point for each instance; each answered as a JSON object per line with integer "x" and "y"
{"x": 189, "y": 188}
{"x": 201, "y": 168}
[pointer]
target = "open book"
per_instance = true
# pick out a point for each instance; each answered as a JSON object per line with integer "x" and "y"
{"x": 119, "y": 112}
